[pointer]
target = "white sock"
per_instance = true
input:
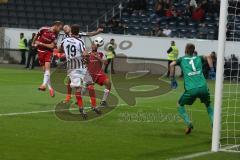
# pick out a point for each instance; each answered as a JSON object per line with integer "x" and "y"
{"x": 105, "y": 95}
{"x": 46, "y": 78}
{"x": 49, "y": 84}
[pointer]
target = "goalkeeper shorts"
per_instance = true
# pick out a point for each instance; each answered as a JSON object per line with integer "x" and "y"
{"x": 189, "y": 96}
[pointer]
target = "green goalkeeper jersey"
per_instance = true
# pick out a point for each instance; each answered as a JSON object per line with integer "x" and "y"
{"x": 192, "y": 71}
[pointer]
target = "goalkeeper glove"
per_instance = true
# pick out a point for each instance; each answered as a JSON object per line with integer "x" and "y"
{"x": 174, "y": 83}
{"x": 212, "y": 74}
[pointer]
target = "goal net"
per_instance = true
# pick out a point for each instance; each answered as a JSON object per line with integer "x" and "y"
{"x": 226, "y": 129}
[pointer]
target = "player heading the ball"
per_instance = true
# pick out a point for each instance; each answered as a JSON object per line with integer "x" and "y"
{"x": 45, "y": 41}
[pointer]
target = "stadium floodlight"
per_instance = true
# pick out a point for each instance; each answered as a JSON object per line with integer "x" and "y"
{"x": 226, "y": 126}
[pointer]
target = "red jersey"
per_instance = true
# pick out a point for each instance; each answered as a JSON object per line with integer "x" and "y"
{"x": 45, "y": 35}
{"x": 95, "y": 69}
{"x": 94, "y": 65}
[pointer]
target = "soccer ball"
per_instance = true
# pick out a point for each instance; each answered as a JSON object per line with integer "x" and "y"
{"x": 99, "y": 41}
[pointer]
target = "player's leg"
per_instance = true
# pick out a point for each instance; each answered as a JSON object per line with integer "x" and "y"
{"x": 47, "y": 78}
{"x": 45, "y": 61}
{"x": 104, "y": 80}
{"x": 69, "y": 91}
{"x": 80, "y": 102}
{"x": 88, "y": 84}
{"x": 41, "y": 59}
{"x": 205, "y": 98}
{"x": 76, "y": 82}
{"x": 48, "y": 58}
{"x": 186, "y": 99}
{"x": 92, "y": 95}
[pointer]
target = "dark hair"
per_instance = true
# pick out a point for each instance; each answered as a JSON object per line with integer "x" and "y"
{"x": 21, "y": 34}
{"x": 190, "y": 49}
{"x": 75, "y": 29}
{"x": 57, "y": 23}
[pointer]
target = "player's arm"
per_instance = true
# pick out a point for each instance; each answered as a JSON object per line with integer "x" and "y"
{"x": 208, "y": 58}
{"x": 60, "y": 48}
{"x": 50, "y": 46}
{"x": 60, "y": 53}
{"x": 85, "y": 53}
{"x": 212, "y": 73}
{"x": 39, "y": 33}
{"x": 94, "y": 33}
{"x": 103, "y": 61}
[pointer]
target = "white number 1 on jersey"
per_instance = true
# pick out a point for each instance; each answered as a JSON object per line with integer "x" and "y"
{"x": 191, "y": 62}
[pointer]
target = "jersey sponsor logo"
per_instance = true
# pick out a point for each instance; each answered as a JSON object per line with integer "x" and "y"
{"x": 194, "y": 73}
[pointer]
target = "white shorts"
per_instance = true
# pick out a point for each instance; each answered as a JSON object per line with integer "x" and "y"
{"x": 79, "y": 78}
{"x": 76, "y": 77}
{"x": 87, "y": 79}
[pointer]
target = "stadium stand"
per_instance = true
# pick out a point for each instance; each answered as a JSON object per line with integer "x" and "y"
{"x": 161, "y": 18}
{"x": 180, "y": 18}
{"x": 34, "y": 14}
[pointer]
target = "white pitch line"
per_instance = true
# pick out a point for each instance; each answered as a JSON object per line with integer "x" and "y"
{"x": 36, "y": 112}
{"x": 73, "y": 109}
{"x": 32, "y": 112}
{"x": 192, "y": 155}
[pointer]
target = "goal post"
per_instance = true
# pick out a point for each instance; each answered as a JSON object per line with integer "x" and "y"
{"x": 219, "y": 76}
{"x": 226, "y": 125}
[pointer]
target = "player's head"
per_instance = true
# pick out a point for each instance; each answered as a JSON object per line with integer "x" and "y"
{"x": 94, "y": 47}
{"x": 190, "y": 49}
{"x": 172, "y": 43}
{"x": 75, "y": 29}
{"x": 214, "y": 56}
{"x": 112, "y": 41}
{"x": 21, "y": 35}
{"x": 67, "y": 29}
{"x": 57, "y": 26}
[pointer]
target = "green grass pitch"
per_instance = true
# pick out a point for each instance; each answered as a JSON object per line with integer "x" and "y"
{"x": 120, "y": 135}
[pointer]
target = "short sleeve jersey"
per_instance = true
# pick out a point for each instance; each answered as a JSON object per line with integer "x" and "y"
{"x": 73, "y": 49}
{"x": 192, "y": 71}
{"x": 45, "y": 35}
{"x": 94, "y": 65}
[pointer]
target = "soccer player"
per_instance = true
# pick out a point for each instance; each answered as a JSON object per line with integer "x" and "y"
{"x": 67, "y": 31}
{"x": 194, "y": 83}
{"x": 96, "y": 61}
{"x": 74, "y": 49}
{"x": 45, "y": 41}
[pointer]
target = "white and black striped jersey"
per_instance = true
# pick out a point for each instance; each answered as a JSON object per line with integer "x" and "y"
{"x": 73, "y": 49}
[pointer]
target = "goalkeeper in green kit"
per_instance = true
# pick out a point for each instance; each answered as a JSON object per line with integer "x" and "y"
{"x": 194, "y": 83}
